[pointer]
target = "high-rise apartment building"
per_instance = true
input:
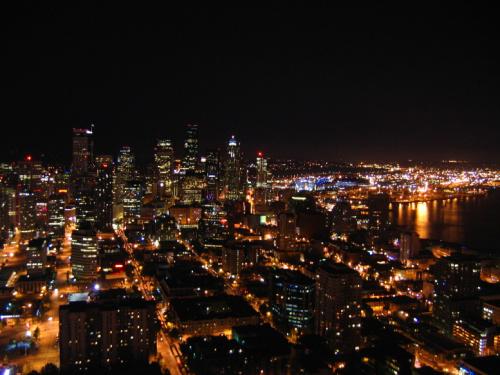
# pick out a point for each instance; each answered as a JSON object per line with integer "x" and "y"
{"x": 292, "y": 300}
{"x": 456, "y": 288}
{"x": 96, "y": 335}
{"x": 338, "y": 307}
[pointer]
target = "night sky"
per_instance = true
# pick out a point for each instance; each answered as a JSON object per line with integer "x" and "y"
{"x": 380, "y": 83}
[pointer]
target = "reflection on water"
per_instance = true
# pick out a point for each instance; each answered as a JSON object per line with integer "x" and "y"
{"x": 474, "y": 221}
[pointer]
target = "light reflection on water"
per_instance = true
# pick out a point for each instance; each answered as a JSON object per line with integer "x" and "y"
{"x": 474, "y": 221}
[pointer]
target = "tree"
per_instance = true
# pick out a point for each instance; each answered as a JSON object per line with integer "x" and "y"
{"x": 50, "y": 369}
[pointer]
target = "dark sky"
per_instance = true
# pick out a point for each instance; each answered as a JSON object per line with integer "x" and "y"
{"x": 376, "y": 83}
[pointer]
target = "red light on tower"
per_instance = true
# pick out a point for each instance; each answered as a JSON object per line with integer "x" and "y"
{"x": 28, "y": 157}
{"x": 260, "y": 154}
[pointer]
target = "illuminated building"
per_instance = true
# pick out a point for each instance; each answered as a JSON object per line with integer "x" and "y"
{"x": 212, "y": 175}
{"x": 85, "y": 205}
{"x": 491, "y": 310}
{"x": 261, "y": 184}
{"x": 477, "y": 334}
{"x": 164, "y": 228}
{"x": 292, "y": 300}
{"x": 186, "y": 216}
{"x": 132, "y": 201}
{"x": 456, "y": 288}
{"x": 190, "y": 162}
{"x": 338, "y": 307}
{"x": 106, "y": 332}
{"x": 27, "y": 214}
{"x": 125, "y": 171}
{"x": 84, "y": 253}
{"x": 233, "y": 171}
{"x": 104, "y": 192}
{"x": 287, "y": 226}
{"x": 82, "y": 161}
{"x": 36, "y": 256}
{"x": 409, "y": 246}
{"x": 192, "y": 186}
{"x": 164, "y": 163}
{"x": 55, "y": 212}
{"x": 236, "y": 256}
{"x": 213, "y": 223}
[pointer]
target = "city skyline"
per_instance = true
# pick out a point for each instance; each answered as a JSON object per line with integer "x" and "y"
{"x": 250, "y": 190}
{"x": 329, "y": 83}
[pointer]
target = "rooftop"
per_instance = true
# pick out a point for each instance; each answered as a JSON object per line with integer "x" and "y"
{"x": 216, "y": 307}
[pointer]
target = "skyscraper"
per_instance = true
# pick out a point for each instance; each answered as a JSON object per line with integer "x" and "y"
{"x": 338, "y": 307}
{"x": 233, "y": 171}
{"x": 261, "y": 184}
{"x": 456, "y": 288}
{"x": 84, "y": 252}
{"x": 212, "y": 175}
{"x": 292, "y": 300}
{"x": 82, "y": 162}
{"x": 104, "y": 192}
{"x": 190, "y": 161}
{"x": 132, "y": 201}
{"x": 125, "y": 171}
{"x": 27, "y": 214}
{"x": 409, "y": 246}
{"x": 164, "y": 163}
{"x": 55, "y": 212}
{"x": 106, "y": 332}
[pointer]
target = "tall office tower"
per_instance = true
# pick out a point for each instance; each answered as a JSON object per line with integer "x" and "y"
{"x": 292, "y": 300}
{"x": 106, "y": 332}
{"x": 213, "y": 222}
{"x": 164, "y": 163}
{"x": 192, "y": 187}
{"x": 85, "y": 205}
{"x": 84, "y": 253}
{"x": 262, "y": 174}
{"x": 36, "y": 256}
{"x": 132, "y": 201}
{"x": 261, "y": 184}
{"x": 27, "y": 214}
{"x": 338, "y": 307}
{"x": 190, "y": 161}
{"x": 104, "y": 192}
{"x": 55, "y": 213}
{"x": 125, "y": 171}
{"x": 212, "y": 175}
{"x": 82, "y": 162}
{"x": 456, "y": 288}
{"x": 409, "y": 246}
{"x": 233, "y": 171}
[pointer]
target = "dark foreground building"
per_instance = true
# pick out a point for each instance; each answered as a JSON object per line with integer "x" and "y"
{"x": 106, "y": 332}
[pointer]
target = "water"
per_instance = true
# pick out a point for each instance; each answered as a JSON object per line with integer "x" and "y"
{"x": 472, "y": 221}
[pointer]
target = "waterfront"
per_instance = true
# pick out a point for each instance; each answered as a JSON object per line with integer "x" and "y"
{"x": 473, "y": 221}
